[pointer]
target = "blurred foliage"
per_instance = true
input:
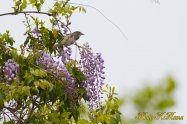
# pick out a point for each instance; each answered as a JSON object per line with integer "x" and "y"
{"x": 152, "y": 99}
{"x": 157, "y": 98}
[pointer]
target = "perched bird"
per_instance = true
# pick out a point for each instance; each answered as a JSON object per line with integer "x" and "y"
{"x": 71, "y": 38}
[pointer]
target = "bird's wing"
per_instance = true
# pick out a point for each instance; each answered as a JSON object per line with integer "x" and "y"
{"x": 68, "y": 40}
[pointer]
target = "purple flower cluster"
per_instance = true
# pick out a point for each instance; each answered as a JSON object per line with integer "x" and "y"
{"x": 65, "y": 54}
{"x": 93, "y": 66}
{"x": 60, "y": 72}
{"x": 36, "y": 32}
{"x": 11, "y": 70}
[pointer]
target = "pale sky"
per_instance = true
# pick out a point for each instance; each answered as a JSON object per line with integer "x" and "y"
{"x": 156, "y": 45}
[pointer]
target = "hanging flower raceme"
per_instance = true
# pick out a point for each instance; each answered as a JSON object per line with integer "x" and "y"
{"x": 35, "y": 31}
{"x": 60, "y": 72}
{"x": 11, "y": 71}
{"x": 65, "y": 54}
{"x": 93, "y": 66}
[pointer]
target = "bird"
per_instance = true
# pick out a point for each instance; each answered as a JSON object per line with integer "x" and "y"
{"x": 70, "y": 38}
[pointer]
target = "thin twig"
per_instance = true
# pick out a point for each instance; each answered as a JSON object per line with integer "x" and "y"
{"x": 32, "y": 109}
{"x": 66, "y": 3}
{"x": 5, "y": 114}
{"x": 18, "y": 6}
{"x": 12, "y": 111}
{"x": 26, "y": 12}
{"x": 124, "y": 35}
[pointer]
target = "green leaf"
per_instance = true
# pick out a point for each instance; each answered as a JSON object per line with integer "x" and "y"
{"x": 9, "y": 122}
{"x": 66, "y": 114}
{"x": 26, "y": 41}
{"x": 80, "y": 9}
{"x": 83, "y": 9}
{"x": 44, "y": 84}
{"x": 105, "y": 119}
{"x": 10, "y": 40}
{"x": 73, "y": 8}
{"x": 165, "y": 104}
{"x": 83, "y": 121}
{"x": 41, "y": 1}
{"x": 23, "y": 5}
{"x": 77, "y": 73}
{"x": 7, "y": 38}
{"x": 38, "y": 73}
{"x": 113, "y": 120}
{"x": 1, "y": 100}
{"x": 82, "y": 92}
{"x": 26, "y": 90}
{"x": 113, "y": 90}
{"x": 104, "y": 91}
{"x": 30, "y": 79}
{"x": 34, "y": 90}
{"x": 171, "y": 85}
{"x": 76, "y": 115}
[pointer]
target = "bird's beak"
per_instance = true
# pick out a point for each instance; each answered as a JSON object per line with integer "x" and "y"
{"x": 82, "y": 34}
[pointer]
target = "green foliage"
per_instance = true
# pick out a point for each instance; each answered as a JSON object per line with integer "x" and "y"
{"x": 108, "y": 112}
{"x": 6, "y": 43}
{"x": 75, "y": 71}
{"x": 20, "y": 5}
{"x": 62, "y": 8}
{"x": 158, "y": 97}
{"x": 153, "y": 99}
{"x": 6, "y": 39}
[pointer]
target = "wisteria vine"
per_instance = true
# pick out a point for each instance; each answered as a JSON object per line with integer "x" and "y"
{"x": 92, "y": 66}
{"x": 60, "y": 72}
{"x": 93, "y": 69}
{"x": 11, "y": 71}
